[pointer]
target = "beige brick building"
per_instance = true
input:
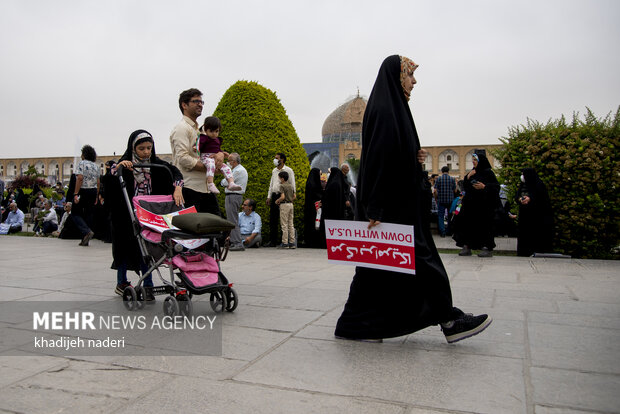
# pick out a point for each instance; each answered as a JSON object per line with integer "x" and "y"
{"x": 54, "y": 168}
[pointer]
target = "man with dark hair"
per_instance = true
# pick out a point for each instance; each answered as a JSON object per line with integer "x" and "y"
{"x": 445, "y": 187}
{"x": 250, "y": 224}
{"x": 274, "y": 193}
{"x": 184, "y": 156}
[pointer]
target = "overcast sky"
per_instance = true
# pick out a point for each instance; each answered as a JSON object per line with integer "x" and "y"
{"x": 91, "y": 72}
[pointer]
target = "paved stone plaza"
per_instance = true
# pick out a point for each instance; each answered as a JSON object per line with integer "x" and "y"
{"x": 553, "y": 347}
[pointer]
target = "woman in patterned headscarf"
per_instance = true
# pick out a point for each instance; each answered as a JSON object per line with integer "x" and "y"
{"x": 139, "y": 181}
{"x": 391, "y": 148}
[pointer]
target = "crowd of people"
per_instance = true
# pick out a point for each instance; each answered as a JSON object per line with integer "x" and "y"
{"x": 92, "y": 205}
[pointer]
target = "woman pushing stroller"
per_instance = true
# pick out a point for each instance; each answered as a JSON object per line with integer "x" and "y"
{"x": 139, "y": 181}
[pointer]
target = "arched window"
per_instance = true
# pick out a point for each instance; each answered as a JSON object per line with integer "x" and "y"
{"x": 427, "y": 165}
{"x": 449, "y": 158}
{"x": 469, "y": 165}
{"x": 40, "y": 167}
{"x": 11, "y": 169}
{"x": 67, "y": 168}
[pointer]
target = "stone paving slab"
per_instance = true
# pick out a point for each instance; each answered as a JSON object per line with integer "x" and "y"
{"x": 553, "y": 346}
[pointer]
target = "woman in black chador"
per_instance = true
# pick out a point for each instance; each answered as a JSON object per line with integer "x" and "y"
{"x": 384, "y": 304}
{"x": 474, "y": 224}
{"x": 535, "y": 228}
{"x": 336, "y": 196}
{"x": 314, "y": 193}
{"x": 139, "y": 181}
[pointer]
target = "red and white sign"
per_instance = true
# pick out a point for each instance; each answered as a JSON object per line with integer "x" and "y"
{"x": 386, "y": 246}
{"x": 159, "y": 222}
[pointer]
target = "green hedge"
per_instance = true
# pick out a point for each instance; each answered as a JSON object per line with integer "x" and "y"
{"x": 579, "y": 164}
{"x": 255, "y": 124}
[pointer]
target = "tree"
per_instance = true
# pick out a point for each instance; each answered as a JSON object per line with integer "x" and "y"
{"x": 255, "y": 124}
{"x": 578, "y": 162}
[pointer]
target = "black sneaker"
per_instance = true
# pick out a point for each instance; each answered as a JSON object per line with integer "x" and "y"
{"x": 282, "y": 246}
{"x": 465, "y": 251}
{"x": 120, "y": 288}
{"x": 485, "y": 252}
{"x": 86, "y": 239}
{"x": 466, "y": 326}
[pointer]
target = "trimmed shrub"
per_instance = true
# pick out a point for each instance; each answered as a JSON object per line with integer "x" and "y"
{"x": 255, "y": 124}
{"x": 579, "y": 164}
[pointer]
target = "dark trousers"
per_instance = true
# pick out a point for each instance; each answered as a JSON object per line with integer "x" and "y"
{"x": 86, "y": 206}
{"x": 204, "y": 202}
{"x": 49, "y": 227}
{"x": 80, "y": 223}
{"x": 274, "y": 219}
{"x": 442, "y": 208}
{"x": 232, "y": 204}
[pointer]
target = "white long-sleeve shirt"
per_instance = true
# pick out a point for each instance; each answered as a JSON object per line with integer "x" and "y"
{"x": 184, "y": 157}
{"x": 274, "y": 184}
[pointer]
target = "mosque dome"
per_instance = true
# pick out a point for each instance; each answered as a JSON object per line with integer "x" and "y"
{"x": 345, "y": 123}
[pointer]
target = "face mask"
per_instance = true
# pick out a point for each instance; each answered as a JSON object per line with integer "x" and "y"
{"x": 522, "y": 178}
{"x": 276, "y": 162}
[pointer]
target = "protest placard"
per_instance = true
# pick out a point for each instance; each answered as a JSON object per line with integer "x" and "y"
{"x": 387, "y": 246}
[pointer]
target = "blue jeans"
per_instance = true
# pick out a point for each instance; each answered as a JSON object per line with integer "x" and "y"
{"x": 441, "y": 213}
{"x": 121, "y": 274}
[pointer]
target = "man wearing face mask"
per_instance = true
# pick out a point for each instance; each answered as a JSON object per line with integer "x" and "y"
{"x": 235, "y": 198}
{"x": 274, "y": 193}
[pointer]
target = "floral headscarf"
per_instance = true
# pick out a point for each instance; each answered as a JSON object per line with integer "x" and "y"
{"x": 141, "y": 175}
{"x": 406, "y": 67}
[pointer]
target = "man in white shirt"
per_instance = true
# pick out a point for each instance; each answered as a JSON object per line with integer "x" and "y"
{"x": 49, "y": 222}
{"x": 274, "y": 193}
{"x": 185, "y": 157}
{"x": 15, "y": 219}
{"x": 235, "y": 198}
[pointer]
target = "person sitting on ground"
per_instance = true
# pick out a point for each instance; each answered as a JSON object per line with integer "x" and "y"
{"x": 212, "y": 156}
{"x": 67, "y": 228}
{"x": 15, "y": 219}
{"x": 59, "y": 201}
{"x": 250, "y": 224}
{"x": 48, "y": 221}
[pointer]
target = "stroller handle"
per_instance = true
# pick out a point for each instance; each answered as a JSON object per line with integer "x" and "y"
{"x": 147, "y": 165}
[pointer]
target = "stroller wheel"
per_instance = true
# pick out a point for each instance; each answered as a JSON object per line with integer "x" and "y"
{"x": 185, "y": 304}
{"x": 140, "y": 297}
{"x": 129, "y": 298}
{"x": 233, "y": 300}
{"x": 171, "y": 306}
{"x": 219, "y": 302}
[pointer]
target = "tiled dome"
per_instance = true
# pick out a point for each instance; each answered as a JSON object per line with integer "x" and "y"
{"x": 345, "y": 123}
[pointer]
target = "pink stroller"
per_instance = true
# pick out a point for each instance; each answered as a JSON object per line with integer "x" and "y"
{"x": 194, "y": 258}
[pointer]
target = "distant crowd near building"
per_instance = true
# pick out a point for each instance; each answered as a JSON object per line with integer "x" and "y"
{"x": 341, "y": 141}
